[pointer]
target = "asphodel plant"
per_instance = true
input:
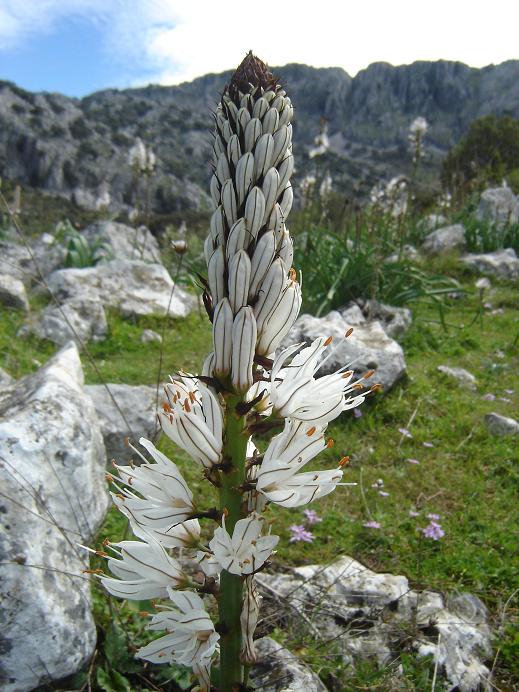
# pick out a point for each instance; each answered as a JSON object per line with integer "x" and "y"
{"x": 252, "y": 296}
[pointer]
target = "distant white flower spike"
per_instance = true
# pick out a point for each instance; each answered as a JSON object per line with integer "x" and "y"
{"x": 278, "y": 478}
{"x": 247, "y": 550}
{"x": 154, "y": 496}
{"x": 144, "y": 571}
{"x": 193, "y": 419}
{"x": 191, "y": 638}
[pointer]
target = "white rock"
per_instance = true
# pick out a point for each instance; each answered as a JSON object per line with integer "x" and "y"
{"x": 365, "y": 613}
{"x": 278, "y": 670}
{"x": 499, "y": 206}
{"x": 52, "y": 472}
{"x": 45, "y": 256}
{"x": 134, "y": 416}
{"x": 149, "y": 335}
{"x": 503, "y": 264}
{"x": 464, "y": 377}
{"x": 5, "y": 378}
{"x": 133, "y": 286}
{"x": 124, "y": 242}
{"x": 445, "y": 240}
{"x": 77, "y": 319}
{"x": 409, "y": 252}
{"x": 501, "y": 425}
{"x": 367, "y": 348}
{"x": 13, "y": 293}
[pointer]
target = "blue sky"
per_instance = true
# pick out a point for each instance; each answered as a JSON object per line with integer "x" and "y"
{"x": 80, "y": 46}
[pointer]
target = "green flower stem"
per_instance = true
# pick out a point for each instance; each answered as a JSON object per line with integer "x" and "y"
{"x": 231, "y": 585}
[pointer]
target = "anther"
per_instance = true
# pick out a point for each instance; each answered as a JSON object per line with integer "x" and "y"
{"x": 347, "y": 374}
{"x": 311, "y": 431}
{"x": 376, "y": 387}
{"x": 328, "y": 341}
{"x": 344, "y": 461}
{"x": 369, "y": 374}
{"x": 348, "y": 333}
{"x": 330, "y": 443}
{"x": 358, "y": 385}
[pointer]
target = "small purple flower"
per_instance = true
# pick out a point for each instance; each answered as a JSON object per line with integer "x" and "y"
{"x": 357, "y": 413}
{"x": 372, "y": 525}
{"x": 434, "y": 517}
{"x": 434, "y": 531}
{"x": 509, "y": 391}
{"x": 412, "y": 461}
{"x": 383, "y": 493}
{"x": 311, "y": 516}
{"x": 404, "y": 432}
{"x": 412, "y": 513}
{"x": 489, "y": 397}
{"x": 299, "y": 533}
{"x": 427, "y": 444}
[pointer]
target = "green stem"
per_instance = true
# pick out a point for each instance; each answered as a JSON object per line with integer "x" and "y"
{"x": 231, "y": 585}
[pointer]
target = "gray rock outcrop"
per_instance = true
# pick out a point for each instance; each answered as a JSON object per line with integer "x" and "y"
{"x": 278, "y": 670}
{"x": 367, "y": 348}
{"x": 445, "y": 240}
{"x": 52, "y": 471}
{"x": 498, "y": 206}
{"x": 124, "y": 242}
{"x": 13, "y": 293}
{"x": 503, "y": 264}
{"x": 134, "y": 416}
{"x": 364, "y": 613}
{"x": 78, "y": 319}
{"x": 5, "y": 378}
{"x": 501, "y": 425}
{"x": 462, "y": 376}
{"x": 134, "y": 287}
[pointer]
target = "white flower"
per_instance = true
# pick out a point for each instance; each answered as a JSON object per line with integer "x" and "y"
{"x": 144, "y": 571}
{"x": 184, "y": 535}
{"x": 191, "y": 638}
{"x": 249, "y": 620}
{"x": 244, "y": 334}
{"x": 154, "y": 496}
{"x": 247, "y": 550}
{"x": 419, "y": 126}
{"x": 295, "y": 393}
{"x": 193, "y": 419}
{"x": 278, "y": 478}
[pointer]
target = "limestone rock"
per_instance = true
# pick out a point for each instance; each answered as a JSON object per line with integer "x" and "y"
{"x": 503, "y": 264}
{"x": 20, "y": 263}
{"x": 498, "y": 206}
{"x": 367, "y": 348}
{"x": 464, "y": 377}
{"x": 54, "y": 496}
{"x": 15, "y": 260}
{"x": 133, "y": 286}
{"x": 5, "y": 378}
{"x": 445, "y": 240}
{"x": 365, "y": 613}
{"x": 86, "y": 317}
{"x": 278, "y": 670}
{"x": 124, "y": 242}
{"x": 136, "y": 416}
{"x": 501, "y": 425}
{"x": 13, "y": 293}
{"x": 149, "y": 335}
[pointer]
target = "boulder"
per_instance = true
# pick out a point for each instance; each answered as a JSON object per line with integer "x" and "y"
{"x": 123, "y": 242}
{"x": 278, "y": 670}
{"x": 13, "y": 293}
{"x": 133, "y": 286}
{"x": 367, "y": 348}
{"x": 17, "y": 261}
{"x": 52, "y": 471}
{"x": 364, "y": 613}
{"x": 501, "y": 425}
{"x": 504, "y": 264}
{"x": 5, "y": 378}
{"x": 433, "y": 221}
{"x": 133, "y": 415}
{"x": 464, "y": 377}
{"x": 78, "y": 319}
{"x": 445, "y": 240}
{"x": 395, "y": 321}
{"x": 498, "y": 206}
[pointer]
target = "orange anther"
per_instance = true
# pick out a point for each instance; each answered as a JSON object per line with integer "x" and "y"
{"x": 376, "y": 387}
{"x": 330, "y": 443}
{"x": 344, "y": 461}
{"x": 187, "y": 407}
{"x": 106, "y": 542}
{"x": 348, "y": 333}
{"x": 369, "y": 374}
{"x": 192, "y": 397}
{"x": 167, "y": 408}
{"x": 328, "y": 341}
{"x": 311, "y": 431}
{"x": 347, "y": 374}
{"x": 358, "y": 385}
{"x": 292, "y": 274}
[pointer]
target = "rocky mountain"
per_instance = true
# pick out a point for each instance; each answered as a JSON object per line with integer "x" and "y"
{"x": 78, "y": 148}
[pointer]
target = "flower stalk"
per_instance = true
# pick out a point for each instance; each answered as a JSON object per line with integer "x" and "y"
{"x": 252, "y": 297}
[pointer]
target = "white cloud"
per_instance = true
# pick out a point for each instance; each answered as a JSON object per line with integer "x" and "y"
{"x": 168, "y": 41}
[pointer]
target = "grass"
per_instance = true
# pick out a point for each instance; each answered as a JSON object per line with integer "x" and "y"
{"x": 467, "y": 477}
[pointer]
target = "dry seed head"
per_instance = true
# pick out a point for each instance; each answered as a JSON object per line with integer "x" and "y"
{"x": 251, "y": 74}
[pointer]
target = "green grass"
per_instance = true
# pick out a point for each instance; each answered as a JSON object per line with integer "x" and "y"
{"x": 468, "y": 477}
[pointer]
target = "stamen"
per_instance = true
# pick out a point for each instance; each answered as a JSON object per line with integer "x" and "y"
{"x": 187, "y": 407}
{"x": 347, "y": 374}
{"x": 358, "y": 385}
{"x": 376, "y": 387}
{"x": 328, "y": 341}
{"x": 369, "y": 374}
{"x": 348, "y": 333}
{"x": 330, "y": 443}
{"x": 344, "y": 461}
{"x": 292, "y": 275}
{"x": 311, "y": 431}
{"x": 167, "y": 408}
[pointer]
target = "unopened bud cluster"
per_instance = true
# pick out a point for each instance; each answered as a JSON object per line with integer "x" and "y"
{"x": 252, "y": 297}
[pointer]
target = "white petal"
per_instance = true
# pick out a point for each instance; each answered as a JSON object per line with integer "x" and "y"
{"x": 215, "y": 190}
{"x": 286, "y": 168}
{"x": 244, "y": 335}
{"x": 270, "y": 291}
{"x": 286, "y": 201}
{"x": 254, "y": 211}
{"x": 270, "y": 191}
{"x": 222, "y": 337}
{"x": 263, "y": 256}
{"x": 242, "y": 120}
{"x": 234, "y": 150}
{"x": 244, "y": 176}
{"x": 252, "y": 133}
{"x": 282, "y": 140}
{"x": 223, "y": 171}
{"x": 270, "y": 121}
{"x": 217, "y": 225}
{"x": 263, "y": 155}
{"x": 228, "y": 196}
{"x": 239, "y": 280}
{"x": 260, "y": 108}
{"x": 239, "y": 238}
{"x": 215, "y": 275}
